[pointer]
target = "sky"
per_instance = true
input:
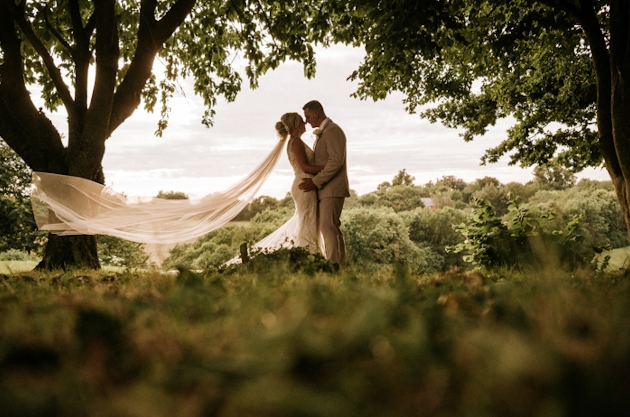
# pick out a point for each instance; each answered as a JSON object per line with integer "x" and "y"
{"x": 382, "y": 138}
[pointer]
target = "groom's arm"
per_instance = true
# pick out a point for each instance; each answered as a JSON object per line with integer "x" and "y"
{"x": 302, "y": 160}
{"x": 336, "y": 147}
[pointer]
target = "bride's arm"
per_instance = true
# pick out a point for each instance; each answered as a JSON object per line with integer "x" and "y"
{"x": 300, "y": 156}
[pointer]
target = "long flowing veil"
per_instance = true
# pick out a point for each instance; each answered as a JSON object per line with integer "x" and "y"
{"x": 66, "y": 205}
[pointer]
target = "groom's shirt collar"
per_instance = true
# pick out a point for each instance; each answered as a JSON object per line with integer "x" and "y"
{"x": 324, "y": 123}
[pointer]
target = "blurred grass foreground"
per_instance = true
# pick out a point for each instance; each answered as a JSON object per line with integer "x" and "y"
{"x": 273, "y": 341}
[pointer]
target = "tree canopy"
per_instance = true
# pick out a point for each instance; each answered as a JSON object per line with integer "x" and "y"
{"x": 557, "y": 68}
{"x": 96, "y": 59}
{"x": 470, "y": 63}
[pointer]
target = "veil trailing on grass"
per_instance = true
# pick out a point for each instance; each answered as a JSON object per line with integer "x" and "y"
{"x": 66, "y": 205}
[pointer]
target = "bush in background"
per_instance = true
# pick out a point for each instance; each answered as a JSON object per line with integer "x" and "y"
{"x": 379, "y": 235}
{"x": 603, "y": 226}
{"x": 518, "y": 240}
{"x": 120, "y": 252}
{"x": 17, "y": 255}
{"x": 221, "y": 245}
{"x": 436, "y": 230}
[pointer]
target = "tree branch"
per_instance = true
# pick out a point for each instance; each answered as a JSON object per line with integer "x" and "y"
{"x": 587, "y": 18}
{"x": 90, "y": 26}
{"x": 262, "y": 11}
{"x": 11, "y": 68}
{"x": 151, "y": 37}
{"x": 55, "y": 33}
{"x": 81, "y": 57}
{"x": 107, "y": 54}
{"x": 53, "y": 71}
{"x": 26, "y": 130}
{"x": 75, "y": 17}
{"x": 172, "y": 20}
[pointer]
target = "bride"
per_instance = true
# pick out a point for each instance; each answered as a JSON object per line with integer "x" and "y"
{"x": 66, "y": 205}
{"x": 301, "y": 229}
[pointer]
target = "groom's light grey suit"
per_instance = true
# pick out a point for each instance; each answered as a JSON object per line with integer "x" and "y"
{"x": 333, "y": 188}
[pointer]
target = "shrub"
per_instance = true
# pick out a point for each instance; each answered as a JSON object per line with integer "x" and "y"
{"x": 518, "y": 240}
{"x": 402, "y": 198}
{"x": 605, "y": 228}
{"x": 213, "y": 256}
{"x": 436, "y": 230}
{"x": 120, "y": 252}
{"x": 219, "y": 246}
{"x": 294, "y": 259}
{"x": 17, "y": 255}
{"x": 380, "y": 235}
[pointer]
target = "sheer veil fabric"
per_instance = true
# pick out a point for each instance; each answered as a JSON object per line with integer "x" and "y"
{"x": 66, "y": 205}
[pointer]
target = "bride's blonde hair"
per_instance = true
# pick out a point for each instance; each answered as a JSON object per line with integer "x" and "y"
{"x": 287, "y": 123}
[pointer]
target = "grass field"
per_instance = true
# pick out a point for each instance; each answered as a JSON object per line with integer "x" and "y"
{"x": 18, "y": 267}
{"x": 271, "y": 342}
{"x": 14, "y": 267}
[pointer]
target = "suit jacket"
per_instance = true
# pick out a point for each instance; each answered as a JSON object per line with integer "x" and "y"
{"x": 330, "y": 151}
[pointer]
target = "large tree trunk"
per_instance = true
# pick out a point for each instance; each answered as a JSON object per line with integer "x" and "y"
{"x": 31, "y": 134}
{"x": 66, "y": 252}
{"x": 612, "y": 72}
{"x": 620, "y": 100}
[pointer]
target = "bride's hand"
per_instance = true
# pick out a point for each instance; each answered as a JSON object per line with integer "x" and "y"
{"x": 307, "y": 184}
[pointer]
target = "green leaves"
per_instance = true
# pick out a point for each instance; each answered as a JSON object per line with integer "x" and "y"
{"x": 470, "y": 63}
{"x": 218, "y": 43}
{"x": 518, "y": 241}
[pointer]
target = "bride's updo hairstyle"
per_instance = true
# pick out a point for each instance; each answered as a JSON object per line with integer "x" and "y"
{"x": 287, "y": 123}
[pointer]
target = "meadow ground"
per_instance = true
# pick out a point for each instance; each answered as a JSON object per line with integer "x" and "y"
{"x": 13, "y": 267}
{"x": 270, "y": 341}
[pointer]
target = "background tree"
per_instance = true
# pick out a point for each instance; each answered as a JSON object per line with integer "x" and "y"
{"x": 260, "y": 204}
{"x": 54, "y": 45}
{"x": 172, "y": 195}
{"x": 557, "y": 67}
{"x": 403, "y": 178}
{"x": 384, "y": 187}
{"x": 553, "y": 178}
{"x": 120, "y": 252}
{"x": 17, "y": 225}
{"x": 451, "y": 182}
{"x": 603, "y": 226}
{"x": 401, "y": 198}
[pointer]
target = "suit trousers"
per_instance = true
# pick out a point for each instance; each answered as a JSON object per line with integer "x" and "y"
{"x": 329, "y": 226}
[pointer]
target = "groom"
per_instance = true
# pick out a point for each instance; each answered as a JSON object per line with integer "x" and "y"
{"x": 331, "y": 182}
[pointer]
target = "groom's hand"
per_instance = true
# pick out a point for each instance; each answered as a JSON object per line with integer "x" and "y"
{"x": 307, "y": 184}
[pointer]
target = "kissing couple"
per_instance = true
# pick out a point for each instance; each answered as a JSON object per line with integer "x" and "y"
{"x": 320, "y": 185}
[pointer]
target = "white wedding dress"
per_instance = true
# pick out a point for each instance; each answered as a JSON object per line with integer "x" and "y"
{"x": 301, "y": 229}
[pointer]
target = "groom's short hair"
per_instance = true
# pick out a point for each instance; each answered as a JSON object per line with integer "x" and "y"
{"x": 314, "y": 105}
